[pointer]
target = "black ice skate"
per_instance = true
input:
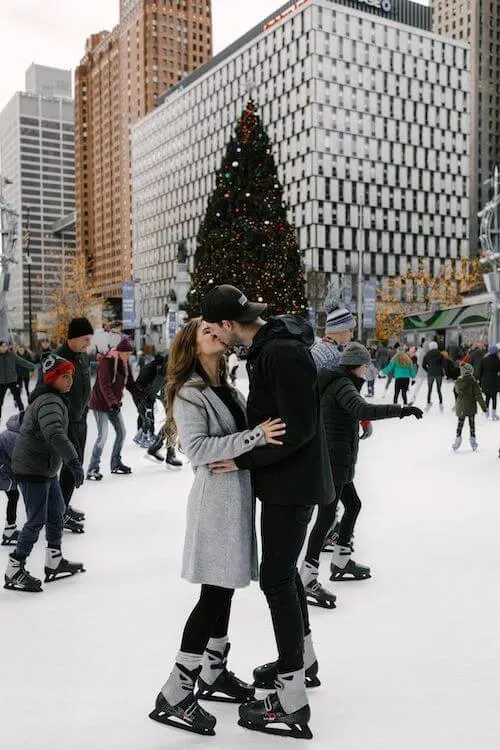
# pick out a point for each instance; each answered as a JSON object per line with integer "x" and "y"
{"x": 226, "y": 688}
{"x": 351, "y": 572}
{"x": 153, "y": 454}
{"x": 57, "y": 567}
{"x": 121, "y": 469}
{"x": 74, "y": 526}
{"x": 172, "y": 460}
{"x": 268, "y": 716}
{"x": 265, "y": 676}
{"x": 94, "y": 474}
{"x": 17, "y": 577}
{"x": 187, "y": 714}
{"x": 76, "y": 515}
{"x": 316, "y": 595}
{"x": 10, "y": 534}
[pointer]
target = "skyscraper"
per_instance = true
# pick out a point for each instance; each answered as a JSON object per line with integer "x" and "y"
{"x": 36, "y": 156}
{"x": 477, "y": 22}
{"x": 116, "y": 84}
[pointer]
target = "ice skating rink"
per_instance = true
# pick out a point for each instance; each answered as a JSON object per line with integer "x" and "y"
{"x": 409, "y": 659}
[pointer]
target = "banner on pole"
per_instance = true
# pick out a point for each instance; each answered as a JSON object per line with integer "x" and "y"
{"x": 128, "y": 305}
{"x": 369, "y": 304}
{"x": 172, "y": 326}
{"x": 347, "y": 290}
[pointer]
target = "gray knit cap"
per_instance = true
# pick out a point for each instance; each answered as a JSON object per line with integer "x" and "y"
{"x": 355, "y": 355}
{"x": 466, "y": 369}
{"x": 338, "y": 317}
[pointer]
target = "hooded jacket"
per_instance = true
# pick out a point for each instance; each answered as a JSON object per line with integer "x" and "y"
{"x": 468, "y": 395}
{"x": 113, "y": 376}
{"x": 343, "y": 408}
{"x": 489, "y": 368}
{"x": 43, "y": 443}
{"x": 79, "y": 395}
{"x": 433, "y": 363}
{"x": 283, "y": 383}
{"x": 8, "y": 439}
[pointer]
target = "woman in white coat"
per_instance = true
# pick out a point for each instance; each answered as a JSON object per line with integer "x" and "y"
{"x": 220, "y": 550}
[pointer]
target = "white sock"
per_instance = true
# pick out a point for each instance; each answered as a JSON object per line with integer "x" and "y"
{"x": 341, "y": 555}
{"x": 214, "y": 663}
{"x": 309, "y": 652}
{"x": 179, "y": 684}
{"x": 292, "y": 691}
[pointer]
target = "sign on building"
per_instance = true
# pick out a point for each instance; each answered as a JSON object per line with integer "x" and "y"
{"x": 128, "y": 305}
{"x": 369, "y": 304}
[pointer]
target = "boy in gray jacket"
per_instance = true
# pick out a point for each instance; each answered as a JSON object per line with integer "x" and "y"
{"x": 41, "y": 448}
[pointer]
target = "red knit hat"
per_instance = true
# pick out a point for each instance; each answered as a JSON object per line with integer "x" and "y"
{"x": 54, "y": 366}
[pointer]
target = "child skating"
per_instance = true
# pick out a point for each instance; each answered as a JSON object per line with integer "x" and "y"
{"x": 8, "y": 439}
{"x": 468, "y": 394}
{"x": 40, "y": 450}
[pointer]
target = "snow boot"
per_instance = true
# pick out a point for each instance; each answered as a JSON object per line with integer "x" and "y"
{"x": 76, "y": 515}
{"x": 473, "y": 444}
{"x": 17, "y": 577}
{"x": 344, "y": 569}
{"x": 285, "y": 713}
{"x": 316, "y": 595}
{"x": 10, "y": 534}
{"x": 94, "y": 474}
{"x": 74, "y": 526}
{"x": 215, "y": 682}
{"x": 187, "y": 713}
{"x": 458, "y": 442}
{"x": 121, "y": 469}
{"x": 57, "y": 567}
{"x": 266, "y": 675}
{"x": 172, "y": 460}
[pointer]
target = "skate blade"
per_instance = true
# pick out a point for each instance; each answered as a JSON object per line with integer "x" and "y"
{"x": 13, "y": 587}
{"x": 49, "y": 577}
{"x": 8, "y": 542}
{"x": 173, "y": 468}
{"x": 171, "y": 721}
{"x": 321, "y": 605}
{"x": 154, "y": 460}
{"x": 349, "y": 577}
{"x": 223, "y": 698}
{"x": 295, "y": 731}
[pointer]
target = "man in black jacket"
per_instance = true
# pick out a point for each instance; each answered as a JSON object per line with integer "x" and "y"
{"x": 80, "y": 333}
{"x": 433, "y": 364}
{"x": 289, "y": 480}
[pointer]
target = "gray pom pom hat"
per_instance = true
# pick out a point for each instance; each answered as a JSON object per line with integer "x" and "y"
{"x": 338, "y": 317}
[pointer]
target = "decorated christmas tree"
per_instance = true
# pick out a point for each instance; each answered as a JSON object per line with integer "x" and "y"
{"x": 245, "y": 238}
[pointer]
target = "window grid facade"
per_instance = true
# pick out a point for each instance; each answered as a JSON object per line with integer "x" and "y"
{"x": 362, "y": 112}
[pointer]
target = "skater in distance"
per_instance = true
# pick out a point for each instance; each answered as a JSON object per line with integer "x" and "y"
{"x": 41, "y": 448}
{"x": 289, "y": 481}
{"x": 343, "y": 407}
{"x": 8, "y": 440}
{"x": 220, "y": 549}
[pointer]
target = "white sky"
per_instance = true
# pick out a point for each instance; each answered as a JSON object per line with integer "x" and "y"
{"x": 53, "y": 32}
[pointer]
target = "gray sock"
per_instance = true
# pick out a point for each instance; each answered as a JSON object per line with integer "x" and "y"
{"x": 308, "y": 573}
{"x": 309, "y": 652}
{"x": 341, "y": 555}
{"x": 292, "y": 691}
{"x": 214, "y": 660}
{"x": 180, "y": 684}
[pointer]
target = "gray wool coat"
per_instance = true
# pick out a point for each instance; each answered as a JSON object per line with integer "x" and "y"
{"x": 220, "y": 546}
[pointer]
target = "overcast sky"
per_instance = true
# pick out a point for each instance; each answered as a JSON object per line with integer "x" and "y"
{"x": 53, "y": 32}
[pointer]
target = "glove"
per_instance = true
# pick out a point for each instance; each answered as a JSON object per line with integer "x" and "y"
{"x": 367, "y": 430}
{"x": 411, "y": 411}
{"x": 116, "y": 408}
{"x": 76, "y": 469}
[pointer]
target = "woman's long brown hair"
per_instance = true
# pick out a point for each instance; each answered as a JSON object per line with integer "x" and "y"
{"x": 403, "y": 359}
{"x": 183, "y": 363}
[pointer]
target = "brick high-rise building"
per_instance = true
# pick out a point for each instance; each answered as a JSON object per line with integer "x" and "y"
{"x": 477, "y": 22}
{"x": 117, "y": 83}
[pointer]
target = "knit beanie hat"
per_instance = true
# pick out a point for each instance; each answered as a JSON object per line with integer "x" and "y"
{"x": 492, "y": 350}
{"x": 466, "y": 369}
{"x": 79, "y": 327}
{"x": 54, "y": 366}
{"x": 355, "y": 355}
{"x": 433, "y": 345}
{"x": 125, "y": 345}
{"x": 338, "y": 317}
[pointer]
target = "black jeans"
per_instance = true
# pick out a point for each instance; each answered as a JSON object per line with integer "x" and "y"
{"x": 493, "y": 398}
{"x": 44, "y": 507}
{"x": 209, "y": 619}
{"x": 401, "y": 385}
{"x": 472, "y": 426}
{"x": 371, "y": 387}
{"x": 348, "y": 496}
{"x": 77, "y": 433}
{"x": 15, "y": 390}
{"x": 12, "y": 498}
{"x": 24, "y": 380}
{"x": 430, "y": 384}
{"x": 284, "y": 529}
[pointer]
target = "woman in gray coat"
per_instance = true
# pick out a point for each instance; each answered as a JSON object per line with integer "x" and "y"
{"x": 220, "y": 550}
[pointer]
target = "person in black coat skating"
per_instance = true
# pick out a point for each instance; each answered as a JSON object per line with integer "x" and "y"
{"x": 489, "y": 370}
{"x": 433, "y": 364}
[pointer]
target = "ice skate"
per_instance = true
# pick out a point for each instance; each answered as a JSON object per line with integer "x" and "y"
{"x": 331, "y": 539}
{"x": 265, "y": 676}
{"x": 216, "y": 683}
{"x": 316, "y": 595}
{"x": 494, "y": 415}
{"x": 17, "y": 577}
{"x": 172, "y": 460}
{"x": 187, "y": 714}
{"x": 76, "y": 515}
{"x": 57, "y": 567}
{"x": 10, "y": 534}
{"x": 441, "y": 408}
{"x": 74, "y": 526}
{"x": 458, "y": 442}
{"x": 94, "y": 474}
{"x": 345, "y": 569}
{"x": 121, "y": 469}
{"x": 154, "y": 456}
{"x": 138, "y": 438}
{"x": 473, "y": 444}
{"x": 285, "y": 713}
{"x": 428, "y": 407}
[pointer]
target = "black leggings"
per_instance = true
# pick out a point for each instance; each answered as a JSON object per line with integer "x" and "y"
{"x": 401, "y": 385}
{"x": 348, "y": 496}
{"x": 472, "y": 426}
{"x": 209, "y": 619}
{"x": 493, "y": 398}
{"x": 430, "y": 383}
{"x": 12, "y": 498}
{"x": 24, "y": 380}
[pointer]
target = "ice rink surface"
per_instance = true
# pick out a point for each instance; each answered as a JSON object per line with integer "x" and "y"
{"x": 409, "y": 659}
